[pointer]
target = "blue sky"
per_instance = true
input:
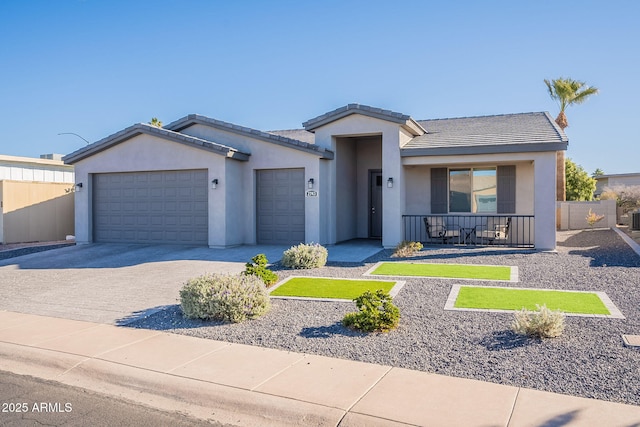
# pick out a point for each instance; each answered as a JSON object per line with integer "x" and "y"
{"x": 95, "y": 67}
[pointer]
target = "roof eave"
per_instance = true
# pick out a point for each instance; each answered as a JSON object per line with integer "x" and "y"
{"x": 486, "y": 149}
{"x": 365, "y": 110}
{"x": 194, "y": 119}
{"x": 139, "y": 129}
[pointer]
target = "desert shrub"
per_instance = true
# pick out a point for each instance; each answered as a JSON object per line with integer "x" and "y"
{"x": 224, "y": 297}
{"x": 304, "y": 255}
{"x": 377, "y": 313}
{"x": 407, "y": 249}
{"x": 258, "y": 267}
{"x": 627, "y": 196}
{"x": 542, "y": 323}
{"x": 593, "y": 218}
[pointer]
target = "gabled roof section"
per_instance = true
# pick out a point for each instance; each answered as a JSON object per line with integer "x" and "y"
{"x": 142, "y": 128}
{"x": 193, "y": 119}
{"x": 524, "y": 132}
{"x": 402, "y": 119}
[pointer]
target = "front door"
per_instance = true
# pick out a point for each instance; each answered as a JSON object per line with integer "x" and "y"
{"x": 375, "y": 204}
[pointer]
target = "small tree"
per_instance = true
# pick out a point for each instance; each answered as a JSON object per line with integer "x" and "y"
{"x": 156, "y": 122}
{"x": 597, "y": 172}
{"x": 580, "y": 186}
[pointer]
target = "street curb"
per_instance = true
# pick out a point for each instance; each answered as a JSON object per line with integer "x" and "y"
{"x": 166, "y": 392}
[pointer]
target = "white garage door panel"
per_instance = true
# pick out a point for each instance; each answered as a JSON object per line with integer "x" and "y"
{"x": 151, "y": 207}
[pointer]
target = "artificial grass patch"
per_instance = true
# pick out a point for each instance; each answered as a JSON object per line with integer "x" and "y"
{"x": 456, "y": 271}
{"x": 515, "y": 299}
{"x": 312, "y": 287}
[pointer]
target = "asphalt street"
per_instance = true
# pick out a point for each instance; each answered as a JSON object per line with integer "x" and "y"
{"x": 29, "y": 401}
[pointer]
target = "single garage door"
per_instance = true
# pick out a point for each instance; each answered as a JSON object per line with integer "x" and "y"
{"x": 151, "y": 207}
{"x": 280, "y": 206}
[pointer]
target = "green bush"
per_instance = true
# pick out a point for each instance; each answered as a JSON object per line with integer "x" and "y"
{"x": 304, "y": 255}
{"x": 220, "y": 297}
{"x": 542, "y": 323}
{"x": 377, "y": 313}
{"x": 258, "y": 267}
{"x": 407, "y": 249}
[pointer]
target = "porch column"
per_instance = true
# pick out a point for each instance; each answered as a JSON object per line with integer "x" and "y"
{"x": 544, "y": 172}
{"x": 392, "y": 198}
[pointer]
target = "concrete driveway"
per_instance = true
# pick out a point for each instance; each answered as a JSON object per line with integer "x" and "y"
{"x": 112, "y": 283}
{"x": 117, "y": 283}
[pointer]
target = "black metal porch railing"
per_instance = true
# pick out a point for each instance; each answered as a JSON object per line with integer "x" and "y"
{"x": 515, "y": 231}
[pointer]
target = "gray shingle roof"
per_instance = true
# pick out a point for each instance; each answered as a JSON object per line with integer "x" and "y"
{"x": 297, "y": 134}
{"x": 365, "y": 110}
{"x": 488, "y": 134}
{"x": 192, "y": 119}
{"x": 143, "y": 128}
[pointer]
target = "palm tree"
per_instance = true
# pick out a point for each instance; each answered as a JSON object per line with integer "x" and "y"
{"x": 567, "y": 92}
{"x": 156, "y": 122}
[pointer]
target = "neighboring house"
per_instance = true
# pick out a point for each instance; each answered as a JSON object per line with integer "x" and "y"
{"x": 36, "y": 199}
{"x": 355, "y": 172}
{"x": 615, "y": 181}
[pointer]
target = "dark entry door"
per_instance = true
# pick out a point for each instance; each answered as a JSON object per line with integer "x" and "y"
{"x": 375, "y": 204}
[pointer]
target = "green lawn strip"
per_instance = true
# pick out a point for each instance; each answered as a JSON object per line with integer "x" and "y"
{"x": 312, "y": 287}
{"x": 516, "y": 299}
{"x": 456, "y": 271}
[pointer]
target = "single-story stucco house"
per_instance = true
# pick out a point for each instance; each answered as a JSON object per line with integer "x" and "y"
{"x": 355, "y": 172}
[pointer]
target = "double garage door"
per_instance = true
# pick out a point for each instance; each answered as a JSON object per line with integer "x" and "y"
{"x": 151, "y": 207}
{"x": 171, "y": 207}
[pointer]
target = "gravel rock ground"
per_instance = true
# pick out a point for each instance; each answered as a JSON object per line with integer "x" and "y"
{"x": 589, "y": 360}
{"x": 16, "y": 250}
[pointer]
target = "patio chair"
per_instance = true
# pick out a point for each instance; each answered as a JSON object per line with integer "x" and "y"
{"x": 439, "y": 231}
{"x": 498, "y": 232}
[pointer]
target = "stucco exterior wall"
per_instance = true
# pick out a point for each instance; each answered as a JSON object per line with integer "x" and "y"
{"x": 266, "y": 155}
{"x": 35, "y": 211}
{"x": 235, "y": 231}
{"x": 359, "y": 126}
{"x": 535, "y": 193}
{"x": 369, "y": 157}
{"x": 346, "y": 176}
{"x": 150, "y": 153}
{"x": 418, "y": 185}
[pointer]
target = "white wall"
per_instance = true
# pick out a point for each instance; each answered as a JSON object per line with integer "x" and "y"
{"x": 150, "y": 153}
{"x": 32, "y": 169}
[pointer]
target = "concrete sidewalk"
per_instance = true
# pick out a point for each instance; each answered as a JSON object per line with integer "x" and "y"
{"x": 245, "y": 385}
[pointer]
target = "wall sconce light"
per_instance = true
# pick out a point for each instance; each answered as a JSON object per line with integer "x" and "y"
{"x": 310, "y": 183}
{"x": 390, "y": 183}
{"x": 214, "y": 183}
{"x": 79, "y": 187}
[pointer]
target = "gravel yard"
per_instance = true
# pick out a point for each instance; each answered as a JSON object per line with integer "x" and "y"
{"x": 589, "y": 360}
